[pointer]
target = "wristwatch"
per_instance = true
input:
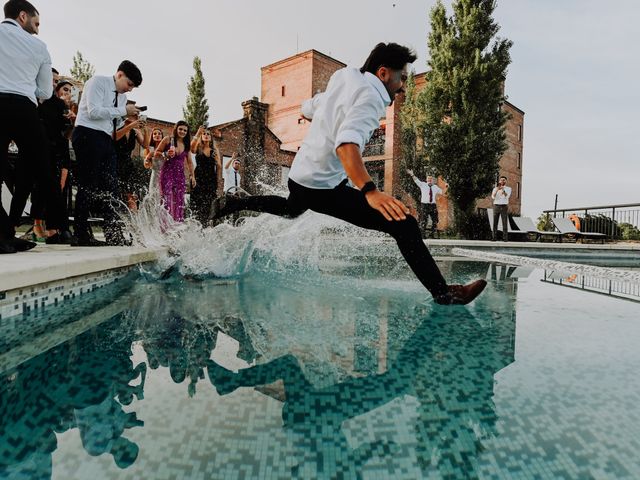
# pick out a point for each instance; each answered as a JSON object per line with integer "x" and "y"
{"x": 368, "y": 187}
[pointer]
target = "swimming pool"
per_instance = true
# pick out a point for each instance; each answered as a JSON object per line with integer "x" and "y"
{"x": 340, "y": 374}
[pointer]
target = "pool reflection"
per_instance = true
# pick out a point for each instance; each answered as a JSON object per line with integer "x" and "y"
{"x": 365, "y": 379}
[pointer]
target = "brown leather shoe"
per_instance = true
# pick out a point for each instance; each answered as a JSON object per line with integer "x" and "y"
{"x": 461, "y": 294}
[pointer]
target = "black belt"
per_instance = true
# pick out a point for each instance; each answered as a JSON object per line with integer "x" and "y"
{"x": 13, "y": 95}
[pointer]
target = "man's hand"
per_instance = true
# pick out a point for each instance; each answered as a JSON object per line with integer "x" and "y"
{"x": 410, "y": 172}
{"x": 388, "y": 206}
{"x": 132, "y": 110}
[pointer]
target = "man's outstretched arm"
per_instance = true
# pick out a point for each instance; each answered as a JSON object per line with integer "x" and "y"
{"x": 349, "y": 155}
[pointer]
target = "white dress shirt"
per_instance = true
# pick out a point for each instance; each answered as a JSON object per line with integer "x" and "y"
{"x": 231, "y": 178}
{"x": 424, "y": 191}
{"x": 501, "y": 198}
{"x": 96, "y": 109}
{"x": 349, "y": 111}
{"x": 26, "y": 63}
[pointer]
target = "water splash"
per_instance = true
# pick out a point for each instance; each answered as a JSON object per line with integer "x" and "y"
{"x": 312, "y": 246}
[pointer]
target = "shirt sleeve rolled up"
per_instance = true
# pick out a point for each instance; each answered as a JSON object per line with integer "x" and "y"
{"x": 360, "y": 121}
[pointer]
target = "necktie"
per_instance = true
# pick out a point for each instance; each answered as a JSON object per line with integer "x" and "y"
{"x": 430, "y": 195}
{"x": 115, "y": 121}
{"x": 235, "y": 176}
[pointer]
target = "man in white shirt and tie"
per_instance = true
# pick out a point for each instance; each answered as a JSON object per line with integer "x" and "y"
{"x": 500, "y": 195}
{"x": 343, "y": 119}
{"x": 428, "y": 206}
{"x": 102, "y": 107}
{"x": 25, "y": 77}
{"x": 231, "y": 174}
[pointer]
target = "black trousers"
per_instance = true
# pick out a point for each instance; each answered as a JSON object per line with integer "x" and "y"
{"x": 348, "y": 204}
{"x": 428, "y": 210}
{"x": 20, "y": 122}
{"x": 97, "y": 179}
{"x": 501, "y": 211}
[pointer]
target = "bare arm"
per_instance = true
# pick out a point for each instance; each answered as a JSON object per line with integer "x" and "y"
{"x": 63, "y": 177}
{"x": 197, "y": 139}
{"x": 121, "y": 132}
{"x": 219, "y": 163}
{"x": 230, "y": 161}
{"x": 188, "y": 164}
{"x": 389, "y": 207}
{"x": 141, "y": 137}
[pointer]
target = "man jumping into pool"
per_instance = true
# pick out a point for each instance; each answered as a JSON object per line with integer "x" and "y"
{"x": 343, "y": 119}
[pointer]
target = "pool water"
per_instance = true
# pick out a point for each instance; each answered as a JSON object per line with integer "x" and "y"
{"x": 276, "y": 375}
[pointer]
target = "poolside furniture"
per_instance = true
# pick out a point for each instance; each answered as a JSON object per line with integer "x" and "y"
{"x": 566, "y": 227}
{"x": 510, "y": 230}
{"x": 503, "y": 272}
{"x": 526, "y": 225}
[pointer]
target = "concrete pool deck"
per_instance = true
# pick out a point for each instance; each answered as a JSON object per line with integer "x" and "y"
{"x": 48, "y": 263}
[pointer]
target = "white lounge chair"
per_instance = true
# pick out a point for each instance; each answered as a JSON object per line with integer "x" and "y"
{"x": 566, "y": 227}
{"x": 526, "y": 225}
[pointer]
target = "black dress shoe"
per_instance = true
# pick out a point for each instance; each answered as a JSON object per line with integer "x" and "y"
{"x": 54, "y": 239}
{"x": 66, "y": 237}
{"x": 21, "y": 245}
{"x": 87, "y": 242}
{"x": 6, "y": 247}
{"x": 461, "y": 294}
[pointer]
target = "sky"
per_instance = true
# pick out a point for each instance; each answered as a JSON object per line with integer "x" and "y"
{"x": 574, "y": 71}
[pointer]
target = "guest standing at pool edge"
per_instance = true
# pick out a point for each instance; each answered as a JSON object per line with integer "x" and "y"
{"x": 343, "y": 120}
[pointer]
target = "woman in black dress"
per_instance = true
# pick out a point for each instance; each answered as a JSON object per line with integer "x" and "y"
{"x": 207, "y": 173}
{"x": 130, "y": 173}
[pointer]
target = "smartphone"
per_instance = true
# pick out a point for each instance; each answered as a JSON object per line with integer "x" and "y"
{"x": 143, "y": 109}
{"x": 142, "y": 118}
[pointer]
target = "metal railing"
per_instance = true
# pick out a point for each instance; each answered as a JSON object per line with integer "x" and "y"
{"x": 611, "y": 288}
{"x": 618, "y": 222}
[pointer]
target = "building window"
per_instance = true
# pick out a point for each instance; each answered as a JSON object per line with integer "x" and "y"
{"x": 283, "y": 90}
{"x": 518, "y": 187}
{"x": 519, "y": 129}
{"x": 519, "y": 160}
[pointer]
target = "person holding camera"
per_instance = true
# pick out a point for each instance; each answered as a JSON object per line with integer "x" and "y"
{"x": 500, "y": 195}
{"x": 103, "y": 104}
{"x": 129, "y": 175}
{"x": 25, "y": 77}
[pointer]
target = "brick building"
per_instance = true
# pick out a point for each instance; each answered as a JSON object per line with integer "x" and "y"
{"x": 262, "y": 159}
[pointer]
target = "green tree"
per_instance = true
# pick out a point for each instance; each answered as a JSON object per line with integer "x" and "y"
{"x": 411, "y": 117}
{"x": 196, "y": 112}
{"x": 81, "y": 70}
{"x": 461, "y": 118}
